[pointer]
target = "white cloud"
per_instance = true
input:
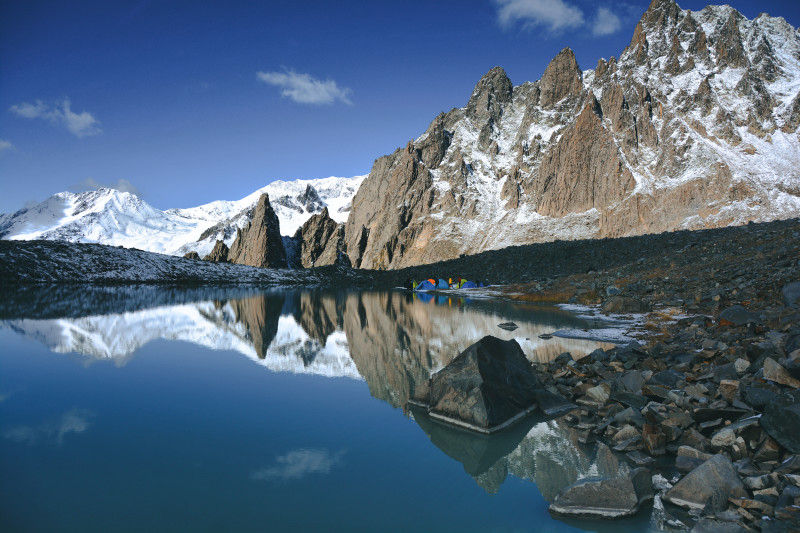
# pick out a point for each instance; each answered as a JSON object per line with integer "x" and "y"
{"x": 121, "y": 185}
{"x": 305, "y": 89}
{"x": 81, "y": 124}
{"x": 605, "y": 22}
{"x": 553, "y": 15}
{"x": 5, "y": 145}
{"x": 298, "y": 464}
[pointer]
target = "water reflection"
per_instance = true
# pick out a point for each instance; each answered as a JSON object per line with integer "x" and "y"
{"x": 392, "y": 340}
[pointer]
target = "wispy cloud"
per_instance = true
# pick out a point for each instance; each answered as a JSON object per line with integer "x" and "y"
{"x": 81, "y": 124}
{"x": 554, "y": 16}
{"x": 121, "y": 185}
{"x": 305, "y": 89}
{"x": 73, "y": 421}
{"x": 298, "y": 464}
{"x": 605, "y": 22}
{"x": 5, "y": 146}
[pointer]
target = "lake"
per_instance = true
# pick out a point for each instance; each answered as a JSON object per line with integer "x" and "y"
{"x": 232, "y": 410}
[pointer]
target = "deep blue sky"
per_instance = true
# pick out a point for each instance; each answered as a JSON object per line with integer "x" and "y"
{"x": 175, "y": 106}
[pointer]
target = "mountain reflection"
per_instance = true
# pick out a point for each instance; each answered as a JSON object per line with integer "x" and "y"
{"x": 391, "y": 340}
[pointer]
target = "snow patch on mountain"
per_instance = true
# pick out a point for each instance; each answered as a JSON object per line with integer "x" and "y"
{"x": 116, "y": 218}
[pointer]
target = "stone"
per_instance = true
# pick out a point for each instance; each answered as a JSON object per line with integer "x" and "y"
{"x": 667, "y": 378}
{"x": 741, "y": 365}
{"x": 729, "y": 389}
{"x": 626, "y": 433}
{"x": 618, "y": 305}
{"x": 614, "y": 497}
{"x": 219, "y": 254}
{"x": 600, "y": 393}
{"x": 654, "y": 439}
{"x": 631, "y": 381}
{"x": 508, "y": 326}
{"x": 259, "y": 244}
{"x": 769, "y": 450}
{"x": 781, "y": 420}
{"x": 485, "y": 386}
{"x": 191, "y": 255}
{"x": 791, "y": 294}
{"x": 775, "y": 372}
{"x": 710, "y": 484}
{"x": 712, "y": 525}
{"x": 736, "y": 315}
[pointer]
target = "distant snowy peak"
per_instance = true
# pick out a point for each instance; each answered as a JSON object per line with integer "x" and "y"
{"x": 109, "y": 216}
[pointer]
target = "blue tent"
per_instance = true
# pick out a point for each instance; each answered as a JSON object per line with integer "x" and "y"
{"x": 468, "y": 285}
{"x": 424, "y": 285}
{"x": 442, "y": 284}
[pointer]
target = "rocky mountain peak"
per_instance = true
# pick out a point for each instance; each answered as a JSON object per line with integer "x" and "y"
{"x": 320, "y": 241}
{"x": 491, "y": 91}
{"x": 310, "y": 199}
{"x": 561, "y": 78}
{"x": 259, "y": 244}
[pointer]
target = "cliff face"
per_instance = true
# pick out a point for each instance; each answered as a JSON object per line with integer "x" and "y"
{"x": 259, "y": 244}
{"x": 695, "y": 125}
{"x": 320, "y": 241}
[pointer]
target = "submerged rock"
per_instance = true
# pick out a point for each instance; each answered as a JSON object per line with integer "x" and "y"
{"x": 508, "y": 326}
{"x": 605, "y": 497}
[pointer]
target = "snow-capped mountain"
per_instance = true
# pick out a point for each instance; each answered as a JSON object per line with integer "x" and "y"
{"x": 109, "y": 216}
{"x": 695, "y": 125}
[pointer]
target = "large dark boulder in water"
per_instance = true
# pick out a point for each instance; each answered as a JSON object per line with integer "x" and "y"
{"x": 485, "y": 386}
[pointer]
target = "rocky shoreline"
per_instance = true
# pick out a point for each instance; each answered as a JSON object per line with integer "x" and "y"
{"x": 709, "y": 402}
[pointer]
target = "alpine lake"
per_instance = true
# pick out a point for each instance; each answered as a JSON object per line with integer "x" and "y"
{"x": 142, "y": 409}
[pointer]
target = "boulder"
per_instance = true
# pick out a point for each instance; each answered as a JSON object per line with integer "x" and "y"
{"x": 605, "y": 497}
{"x": 775, "y": 372}
{"x": 260, "y": 244}
{"x": 485, "y": 387}
{"x": 781, "y": 420}
{"x": 711, "y": 483}
{"x": 736, "y": 315}
{"x": 191, "y": 255}
{"x": 791, "y": 294}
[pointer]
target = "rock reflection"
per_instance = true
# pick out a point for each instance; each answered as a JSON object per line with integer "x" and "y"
{"x": 392, "y": 340}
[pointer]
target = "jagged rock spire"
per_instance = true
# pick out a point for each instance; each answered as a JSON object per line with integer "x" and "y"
{"x": 561, "y": 78}
{"x": 260, "y": 244}
{"x": 491, "y": 91}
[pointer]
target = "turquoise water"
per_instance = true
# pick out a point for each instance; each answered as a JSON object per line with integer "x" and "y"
{"x": 276, "y": 412}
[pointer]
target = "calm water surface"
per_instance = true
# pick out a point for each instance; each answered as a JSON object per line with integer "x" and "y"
{"x": 279, "y": 411}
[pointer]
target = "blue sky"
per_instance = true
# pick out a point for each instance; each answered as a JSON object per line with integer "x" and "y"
{"x": 189, "y": 102}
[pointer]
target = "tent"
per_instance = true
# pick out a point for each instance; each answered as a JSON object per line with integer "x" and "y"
{"x": 468, "y": 284}
{"x": 425, "y": 285}
{"x": 442, "y": 284}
